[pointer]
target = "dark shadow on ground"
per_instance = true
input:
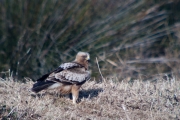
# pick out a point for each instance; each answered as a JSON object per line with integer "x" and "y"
{"x": 90, "y": 93}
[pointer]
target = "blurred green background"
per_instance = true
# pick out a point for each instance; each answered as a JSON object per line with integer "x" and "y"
{"x": 131, "y": 39}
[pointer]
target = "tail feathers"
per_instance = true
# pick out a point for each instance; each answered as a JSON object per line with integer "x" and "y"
{"x": 41, "y": 85}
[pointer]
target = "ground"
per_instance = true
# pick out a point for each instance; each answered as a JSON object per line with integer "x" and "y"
{"x": 98, "y": 100}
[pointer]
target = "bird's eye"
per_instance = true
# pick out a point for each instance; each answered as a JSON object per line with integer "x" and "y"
{"x": 84, "y": 56}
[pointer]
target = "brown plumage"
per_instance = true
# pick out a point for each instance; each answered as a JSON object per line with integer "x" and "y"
{"x": 68, "y": 77}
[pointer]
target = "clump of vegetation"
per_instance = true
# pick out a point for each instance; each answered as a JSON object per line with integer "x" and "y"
{"x": 110, "y": 99}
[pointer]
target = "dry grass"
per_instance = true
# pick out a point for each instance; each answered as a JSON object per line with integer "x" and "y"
{"x": 121, "y": 100}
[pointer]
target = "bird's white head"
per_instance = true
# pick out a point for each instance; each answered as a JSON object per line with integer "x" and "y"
{"x": 83, "y": 58}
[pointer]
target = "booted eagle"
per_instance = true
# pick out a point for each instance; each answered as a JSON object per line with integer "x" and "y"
{"x": 68, "y": 77}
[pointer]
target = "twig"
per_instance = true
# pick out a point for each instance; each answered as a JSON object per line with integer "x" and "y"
{"x": 100, "y": 70}
{"x": 11, "y": 111}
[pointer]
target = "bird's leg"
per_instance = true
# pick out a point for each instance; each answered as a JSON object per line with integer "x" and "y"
{"x": 75, "y": 93}
{"x": 75, "y": 97}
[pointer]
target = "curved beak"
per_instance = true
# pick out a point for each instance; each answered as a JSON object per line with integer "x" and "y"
{"x": 88, "y": 58}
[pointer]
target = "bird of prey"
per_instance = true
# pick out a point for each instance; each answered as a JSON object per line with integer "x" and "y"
{"x": 68, "y": 77}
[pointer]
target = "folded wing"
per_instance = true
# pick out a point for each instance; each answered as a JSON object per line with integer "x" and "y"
{"x": 69, "y": 73}
{"x": 75, "y": 75}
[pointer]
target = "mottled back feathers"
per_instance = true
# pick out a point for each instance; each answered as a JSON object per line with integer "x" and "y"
{"x": 72, "y": 73}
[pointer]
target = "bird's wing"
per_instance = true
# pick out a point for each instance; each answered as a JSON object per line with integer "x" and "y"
{"x": 67, "y": 72}
{"x": 71, "y": 73}
{"x": 75, "y": 75}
